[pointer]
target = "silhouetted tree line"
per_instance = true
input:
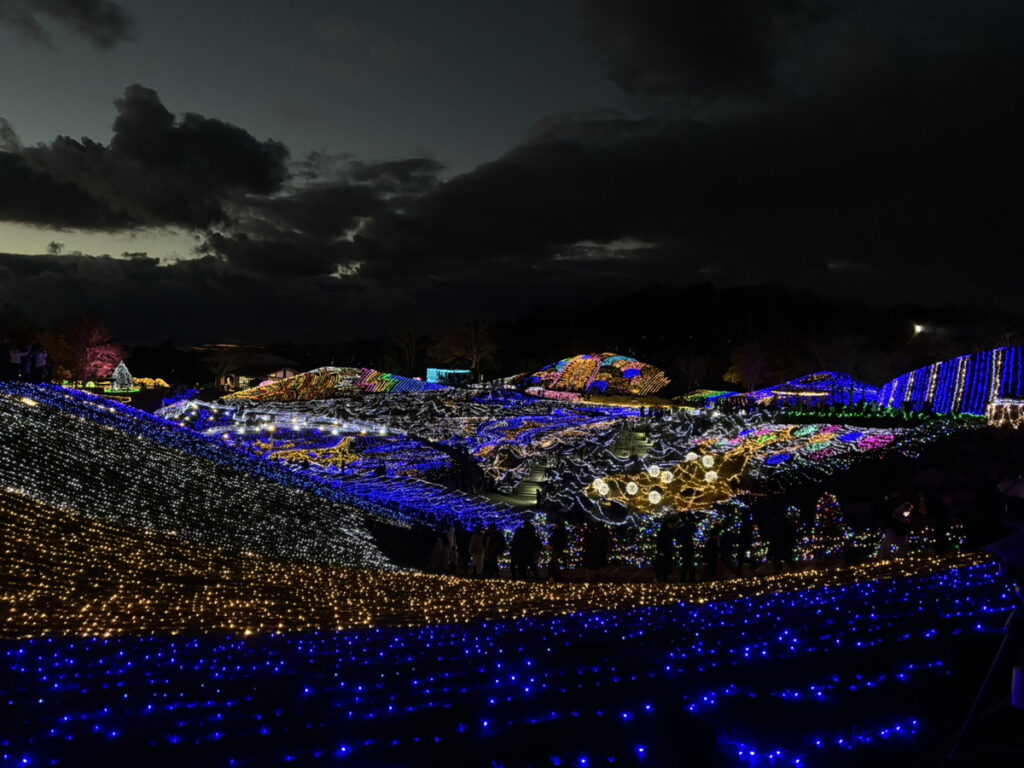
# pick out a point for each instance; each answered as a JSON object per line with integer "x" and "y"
{"x": 78, "y": 347}
{"x": 700, "y": 335}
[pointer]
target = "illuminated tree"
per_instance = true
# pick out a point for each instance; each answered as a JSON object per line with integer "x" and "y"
{"x": 123, "y": 381}
{"x": 93, "y": 352}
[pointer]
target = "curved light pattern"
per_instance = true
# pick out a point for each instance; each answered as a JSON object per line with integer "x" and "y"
{"x": 327, "y": 382}
{"x": 965, "y": 384}
{"x": 839, "y": 667}
{"x": 1006, "y": 413}
{"x": 508, "y": 436}
{"x": 73, "y": 574}
{"x": 334, "y": 449}
{"x": 218, "y": 641}
{"x": 76, "y": 451}
{"x": 603, "y": 373}
{"x": 743, "y": 455}
{"x": 502, "y": 431}
{"x": 961, "y": 385}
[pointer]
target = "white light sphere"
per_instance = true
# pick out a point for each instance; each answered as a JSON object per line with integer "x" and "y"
{"x": 707, "y": 461}
{"x": 654, "y": 471}
{"x": 632, "y": 488}
{"x": 654, "y": 497}
{"x": 691, "y": 456}
{"x": 710, "y": 476}
{"x": 667, "y": 477}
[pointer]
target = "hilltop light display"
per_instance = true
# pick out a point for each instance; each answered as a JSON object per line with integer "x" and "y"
{"x": 604, "y": 373}
{"x": 965, "y": 384}
{"x": 328, "y": 382}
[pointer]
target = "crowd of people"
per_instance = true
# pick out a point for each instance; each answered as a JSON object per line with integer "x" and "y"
{"x": 25, "y": 362}
{"x": 728, "y": 550}
{"x": 476, "y": 553}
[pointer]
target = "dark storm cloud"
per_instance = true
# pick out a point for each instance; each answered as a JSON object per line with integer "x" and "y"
{"x": 310, "y": 229}
{"x": 157, "y": 171}
{"x": 897, "y": 155}
{"x": 102, "y": 22}
{"x": 696, "y": 47}
{"x": 9, "y": 141}
{"x": 410, "y": 176}
{"x": 283, "y": 256}
{"x": 250, "y": 213}
{"x": 237, "y": 193}
{"x": 861, "y": 149}
{"x": 34, "y": 198}
{"x": 321, "y": 210}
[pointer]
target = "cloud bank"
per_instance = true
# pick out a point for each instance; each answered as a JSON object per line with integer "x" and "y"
{"x": 103, "y": 23}
{"x": 772, "y": 141}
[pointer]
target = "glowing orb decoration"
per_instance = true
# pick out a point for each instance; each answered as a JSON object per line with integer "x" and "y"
{"x": 691, "y": 456}
{"x": 654, "y": 497}
{"x": 666, "y": 476}
{"x": 632, "y": 488}
{"x": 654, "y": 471}
{"x": 710, "y": 476}
{"x": 601, "y": 487}
{"x": 707, "y": 461}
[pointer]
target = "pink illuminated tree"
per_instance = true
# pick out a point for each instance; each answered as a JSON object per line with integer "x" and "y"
{"x": 93, "y": 351}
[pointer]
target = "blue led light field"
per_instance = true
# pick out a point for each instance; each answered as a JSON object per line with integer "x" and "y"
{"x": 829, "y": 676}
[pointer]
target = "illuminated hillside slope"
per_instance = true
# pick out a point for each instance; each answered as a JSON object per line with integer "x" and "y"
{"x": 328, "y": 382}
{"x": 968, "y": 384}
{"x": 603, "y": 373}
{"x": 89, "y": 455}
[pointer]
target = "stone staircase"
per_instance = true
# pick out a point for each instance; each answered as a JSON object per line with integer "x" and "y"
{"x": 528, "y": 487}
{"x": 632, "y": 443}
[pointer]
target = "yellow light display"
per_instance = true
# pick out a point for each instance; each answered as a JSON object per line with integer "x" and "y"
{"x": 1006, "y": 413}
{"x": 66, "y": 573}
{"x": 694, "y": 484}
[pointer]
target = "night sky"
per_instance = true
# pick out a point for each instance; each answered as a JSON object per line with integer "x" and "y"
{"x": 219, "y": 173}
